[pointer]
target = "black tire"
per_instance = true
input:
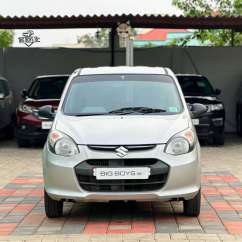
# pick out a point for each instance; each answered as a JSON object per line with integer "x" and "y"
{"x": 9, "y": 131}
{"x": 209, "y": 141}
{"x": 239, "y": 124}
{"x": 22, "y": 143}
{"x": 219, "y": 139}
{"x": 53, "y": 208}
{"x": 192, "y": 206}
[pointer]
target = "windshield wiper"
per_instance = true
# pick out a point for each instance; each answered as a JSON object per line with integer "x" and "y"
{"x": 123, "y": 111}
{"x": 143, "y": 110}
{"x": 87, "y": 114}
{"x": 154, "y": 110}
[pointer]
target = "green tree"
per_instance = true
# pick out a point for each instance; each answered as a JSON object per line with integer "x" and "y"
{"x": 6, "y": 38}
{"x": 98, "y": 40}
{"x": 149, "y": 45}
{"x": 220, "y": 37}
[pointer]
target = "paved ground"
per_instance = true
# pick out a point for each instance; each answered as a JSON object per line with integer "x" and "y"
{"x": 21, "y": 204}
{"x": 22, "y": 211}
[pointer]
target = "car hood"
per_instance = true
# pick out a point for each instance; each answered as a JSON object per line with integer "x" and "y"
{"x": 37, "y": 103}
{"x": 121, "y": 130}
{"x": 202, "y": 99}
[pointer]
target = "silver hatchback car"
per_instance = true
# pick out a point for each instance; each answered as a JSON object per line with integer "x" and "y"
{"x": 122, "y": 133}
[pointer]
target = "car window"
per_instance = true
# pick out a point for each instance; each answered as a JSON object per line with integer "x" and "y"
{"x": 4, "y": 88}
{"x": 47, "y": 88}
{"x": 105, "y": 93}
{"x": 195, "y": 86}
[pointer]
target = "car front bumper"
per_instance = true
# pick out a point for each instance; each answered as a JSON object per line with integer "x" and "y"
{"x": 31, "y": 133}
{"x": 210, "y": 124}
{"x": 29, "y": 128}
{"x": 61, "y": 182}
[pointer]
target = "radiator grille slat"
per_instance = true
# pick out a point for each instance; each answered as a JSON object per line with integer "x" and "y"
{"x": 128, "y": 147}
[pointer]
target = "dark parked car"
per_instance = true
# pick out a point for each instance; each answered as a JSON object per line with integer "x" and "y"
{"x": 6, "y": 109}
{"x": 44, "y": 90}
{"x": 198, "y": 89}
{"x": 239, "y": 112}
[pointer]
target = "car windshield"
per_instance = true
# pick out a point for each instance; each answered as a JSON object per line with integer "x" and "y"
{"x": 47, "y": 88}
{"x": 122, "y": 94}
{"x": 195, "y": 86}
{"x": 3, "y": 88}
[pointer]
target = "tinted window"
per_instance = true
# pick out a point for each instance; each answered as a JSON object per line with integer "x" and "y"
{"x": 105, "y": 93}
{"x": 47, "y": 88}
{"x": 195, "y": 86}
{"x": 4, "y": 88}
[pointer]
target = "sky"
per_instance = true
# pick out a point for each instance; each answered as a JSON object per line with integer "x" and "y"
{"x": 76, "y": 7}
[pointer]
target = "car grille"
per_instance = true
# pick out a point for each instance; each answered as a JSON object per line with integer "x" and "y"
{"x": 157, "y": 179}
{"x": 128, "y": 147}
{"x": 121, "y": 162}
{"x": 92, "y": 184}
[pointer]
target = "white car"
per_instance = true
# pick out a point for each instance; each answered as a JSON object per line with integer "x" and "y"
{"x": 122, "y": 133}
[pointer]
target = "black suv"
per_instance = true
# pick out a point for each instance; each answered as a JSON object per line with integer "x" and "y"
{"x": 239, "y": 112}
{"x": 198, "y": 89}
{"x": 7, "y": 115}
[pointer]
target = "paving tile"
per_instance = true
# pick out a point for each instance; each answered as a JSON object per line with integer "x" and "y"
{"x": 226, "y": 237}
{"x": 130, "y": 240}
{"x": 178, "y": 236}
{"x": 12, "y": 219}
{"x": 221, "y": 206}
{"x": 115, "y": 227}
{"x": 234, "y": 227}
{"x": 21, "y": 204}
{"x": 144, "y": 236}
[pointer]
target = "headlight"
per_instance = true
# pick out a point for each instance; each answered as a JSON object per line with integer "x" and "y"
{"x": 215, "y": 107}
{"x": 181, "y": 143}
{"x": 25, "y": 108}
{"x": 61, "y": 144}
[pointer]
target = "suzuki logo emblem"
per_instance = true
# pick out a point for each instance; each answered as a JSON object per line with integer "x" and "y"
{"x": 121, "y": 151}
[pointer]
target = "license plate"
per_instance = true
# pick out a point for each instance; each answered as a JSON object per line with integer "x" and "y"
{"x": 195, "y": 121}
{"x": 46, "y": 124}
{"x": 121, "y": 173}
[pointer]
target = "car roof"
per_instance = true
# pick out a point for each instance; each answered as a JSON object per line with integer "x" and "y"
{"x": 124, "y": 70}
{"x": 56, "y": 75}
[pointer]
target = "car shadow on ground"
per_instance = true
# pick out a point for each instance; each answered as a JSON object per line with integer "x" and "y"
{"x": 11, "y": 142}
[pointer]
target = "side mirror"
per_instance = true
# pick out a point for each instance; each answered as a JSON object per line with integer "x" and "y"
{"x": 2, "y": 96}
{"x": 47, "y": 112}
{"x": 217, "y": 92}
{"x": 24, "y": 93}
{"x": 197, "y": 109}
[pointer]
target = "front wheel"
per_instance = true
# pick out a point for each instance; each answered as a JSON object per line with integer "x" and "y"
{"x": 192, "y": 206}
{"x": 53, "y": 208}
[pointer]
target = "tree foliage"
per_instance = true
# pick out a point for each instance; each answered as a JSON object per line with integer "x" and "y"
{"x": 149, "y": 45}
{"x": 220, "y": 37}
{"x": 98, "y": 40}
{"x": 6, "y": 38}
